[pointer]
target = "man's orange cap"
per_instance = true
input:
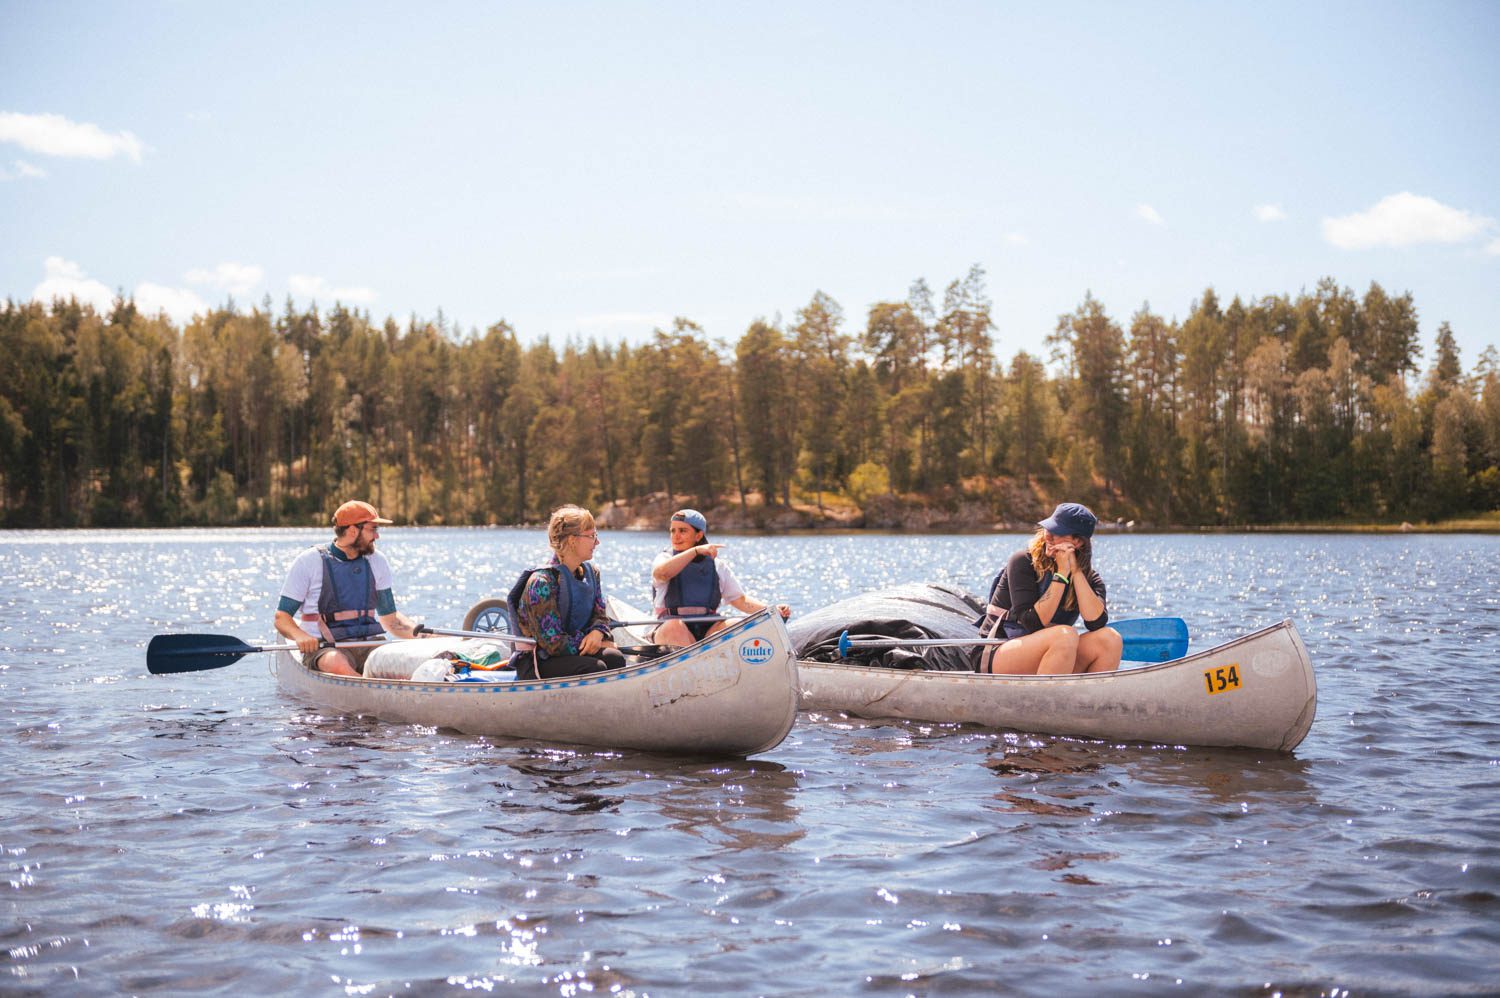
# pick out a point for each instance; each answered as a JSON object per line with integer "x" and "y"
{"x": 355, "y": 511}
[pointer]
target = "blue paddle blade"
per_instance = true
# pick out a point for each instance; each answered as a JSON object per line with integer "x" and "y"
{"x": 1153, "y": 639}
{"x": 194, "y": 652}
{"x": 844, "y": 645}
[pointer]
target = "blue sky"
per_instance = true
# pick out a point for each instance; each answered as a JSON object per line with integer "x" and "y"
{"x": 594, "y": 170}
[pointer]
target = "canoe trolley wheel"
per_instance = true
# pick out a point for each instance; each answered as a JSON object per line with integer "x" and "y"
{"x": 488, "y": 615}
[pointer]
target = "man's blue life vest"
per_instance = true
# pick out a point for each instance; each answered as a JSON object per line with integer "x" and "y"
{"x": 694, "y": 591}
{"x": 575, "y": 597}
{"x": 346, "y": 603}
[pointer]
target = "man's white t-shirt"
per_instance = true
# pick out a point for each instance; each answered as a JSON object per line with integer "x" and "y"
{"x": 304, "y": 582}
{"x": 729, "y": 587}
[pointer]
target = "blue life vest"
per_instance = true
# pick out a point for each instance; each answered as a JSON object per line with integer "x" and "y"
{"x": 694, "y": 591}
{"x": 575, "y": 597}
{"x": 346, "y": 603}
{"x": 577, "y": 607}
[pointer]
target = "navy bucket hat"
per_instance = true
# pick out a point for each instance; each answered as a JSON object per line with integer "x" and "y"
{"x": 1070, "y": 519}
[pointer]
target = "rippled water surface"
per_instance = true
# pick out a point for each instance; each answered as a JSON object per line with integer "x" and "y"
{"x": 204, "y": 832}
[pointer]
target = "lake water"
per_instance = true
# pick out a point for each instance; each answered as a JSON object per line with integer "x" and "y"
{"x": 205, "y": 833}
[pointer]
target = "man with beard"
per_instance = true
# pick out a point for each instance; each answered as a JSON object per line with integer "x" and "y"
{"x": 341, "y": 592}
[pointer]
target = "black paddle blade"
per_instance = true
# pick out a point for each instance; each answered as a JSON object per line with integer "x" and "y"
{"x": 646, "y": 652}
{"x": 194, "y": 652}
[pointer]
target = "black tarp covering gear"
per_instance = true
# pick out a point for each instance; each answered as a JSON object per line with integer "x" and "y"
{"x": 916, "y": 610}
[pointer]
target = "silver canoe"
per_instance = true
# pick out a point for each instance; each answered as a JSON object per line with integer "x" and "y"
{"x": 733, "y": 694}
{"x": 1256, "y": 691}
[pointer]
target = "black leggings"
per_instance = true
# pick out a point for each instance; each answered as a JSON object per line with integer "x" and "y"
{"x": 575, "y": 665}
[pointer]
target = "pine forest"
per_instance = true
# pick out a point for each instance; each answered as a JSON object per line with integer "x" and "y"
{"x": 1313, "y": 408}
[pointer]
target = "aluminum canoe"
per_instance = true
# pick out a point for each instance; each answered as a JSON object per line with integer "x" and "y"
{"x": 734, "y": 694}
{"x": 1256, "y": 691}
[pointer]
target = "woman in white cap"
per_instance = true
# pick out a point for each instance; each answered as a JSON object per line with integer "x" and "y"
{"x": 1040, "y": 594}
{"x": 689, "y": 579}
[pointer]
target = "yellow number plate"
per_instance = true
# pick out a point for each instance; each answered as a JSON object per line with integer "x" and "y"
{"x": 1223, "y": 679}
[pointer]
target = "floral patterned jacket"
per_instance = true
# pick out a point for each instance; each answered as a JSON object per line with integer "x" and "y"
{"x": 538, "y": 615}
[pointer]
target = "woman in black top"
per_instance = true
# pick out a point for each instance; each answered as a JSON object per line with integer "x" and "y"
{"x": 1043, "y": 590}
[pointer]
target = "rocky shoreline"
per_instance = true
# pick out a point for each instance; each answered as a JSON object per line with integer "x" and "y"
{"x": 1011, "y": 508}
{"x": 943, "y": 514}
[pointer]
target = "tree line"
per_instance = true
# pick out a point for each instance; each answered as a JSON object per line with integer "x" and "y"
{"x": 1305, "y": 408}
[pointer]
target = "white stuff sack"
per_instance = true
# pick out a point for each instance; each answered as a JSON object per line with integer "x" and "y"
{"x": 402, "y": 659}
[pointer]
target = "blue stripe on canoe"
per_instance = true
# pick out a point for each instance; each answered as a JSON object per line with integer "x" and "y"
{"x": 613, "y": 676}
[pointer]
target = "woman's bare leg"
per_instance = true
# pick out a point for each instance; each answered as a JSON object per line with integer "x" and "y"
{"x": 673, "y": 633}
{"x": 1099, "y": 651}
{"x": 1062, "y": 657}
{"x": 1049, "y": 651}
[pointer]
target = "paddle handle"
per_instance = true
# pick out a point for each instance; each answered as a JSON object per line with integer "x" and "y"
{"x": 500, "y": 636}
{"x": 845, "y": 643}
{"x": 705, "y": 619}
{"x": 338, "y": 644}
{"x": 1145, "y": 639}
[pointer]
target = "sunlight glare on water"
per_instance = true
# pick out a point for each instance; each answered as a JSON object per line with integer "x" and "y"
{"x": 206, "y": 832}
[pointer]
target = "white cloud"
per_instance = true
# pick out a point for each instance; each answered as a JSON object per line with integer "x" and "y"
{"x": 1149, "y": 214}
{"x": 1493, "y": 249}
{"x": 1270, "y": 213}
{"x": 318, "y": 288}
{"x": 65, "y": 279}
{"x": 235, "y": 278}
{"x": 22, "y": 170}
{"x": 1404, "y": 219}
{"x": 54, "y": 135}
{"x": 1016, "y": 238}
{"x": 180, "y": 304}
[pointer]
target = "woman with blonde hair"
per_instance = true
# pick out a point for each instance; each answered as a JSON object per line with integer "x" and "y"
{"x": 560, "y": 605}
{"x": 1042, "y": 591}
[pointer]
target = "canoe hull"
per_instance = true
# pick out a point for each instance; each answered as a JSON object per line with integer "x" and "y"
{"x": 1268, "y": 701}
{"x": 734, "y": 694}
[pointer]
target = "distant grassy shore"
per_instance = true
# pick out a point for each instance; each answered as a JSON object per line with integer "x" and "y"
{"x": 1488, "y": 523}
